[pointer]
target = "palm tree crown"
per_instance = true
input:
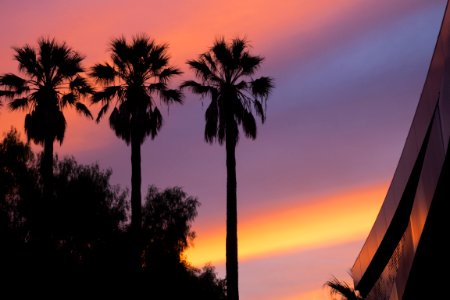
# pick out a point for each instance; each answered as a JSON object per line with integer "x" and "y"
{"x": 225, "y": 74}
{"x": 138, "y": 72}
{"x": 51, "y": 83}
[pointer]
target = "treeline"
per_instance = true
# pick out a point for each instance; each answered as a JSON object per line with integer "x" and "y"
{"x": 79, "y": 242}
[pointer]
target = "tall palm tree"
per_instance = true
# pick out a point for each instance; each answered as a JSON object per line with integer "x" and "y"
{"x": 51, "y": 82}
{"x": 139, "y": 72}
{"x": 225, "y": 75}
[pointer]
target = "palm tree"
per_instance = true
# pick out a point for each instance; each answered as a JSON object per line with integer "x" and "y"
{"x": 342, "y": 288}
{"x": 51, "y": 82}
{"x": 139, "y": 72}
{"x": 225, "y": 75}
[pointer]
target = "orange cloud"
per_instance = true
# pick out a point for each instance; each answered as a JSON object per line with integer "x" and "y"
{"x": 318, "y": 222}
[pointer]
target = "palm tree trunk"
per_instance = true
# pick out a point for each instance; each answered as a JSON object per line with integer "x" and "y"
{"x": 46, "y": 208}
{"x": 136, "y": 218}
{"x": 136, "y": 214}
{"x": 47, "y": 168}
{"x": 232, "y": 241}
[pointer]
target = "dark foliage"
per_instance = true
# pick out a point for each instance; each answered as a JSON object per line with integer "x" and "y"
{"x": 79, "y": 240}
{"x": 343, "y": 289}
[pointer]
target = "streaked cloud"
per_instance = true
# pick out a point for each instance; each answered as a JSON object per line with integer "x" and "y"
{"x": 317, "y": 222}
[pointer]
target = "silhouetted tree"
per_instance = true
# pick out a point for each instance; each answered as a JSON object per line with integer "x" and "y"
{"x": 211, "y": 287}
{"x": 167, "y": 218}
{"x": 16, "y": 160}
{"x": 52, "y": 81}
{"x": 84, "y": 233}
{"x": 225, "y": 74}
{"x": 343, "y": 289}
{"x": 85, "y": 246}
{"x": 88, "y": 212}
{"x": 18, "y": 189}
{"x": 138, "y": 73}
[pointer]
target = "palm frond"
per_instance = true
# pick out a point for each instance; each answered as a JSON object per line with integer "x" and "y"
{"x": 7, "y": 94}
{"x": 80, "y": 85}
{"x": 33, "y": 128}
{"x": 121, "y": 51}
{"x": 210, "y": 61}
{"x": 58, "y": 126}
{"x": 259, "y": 110}
{"x": 222, "y": 122}
{"x": 14, "y": 83}
{"x": 168, "y": 73}
{"x": 237, "y": 46}
{"x": 249, "y": 125}
{"x": 82, "y": 109}
{"x": 45, "y": 56}
{"x": 106, "y": 94}
{"x": 250, "y": 63}
{"x": 26, "y": 56}
{"x": 155, "y": 87}
{"x": 342, "y": 288}
{"x": 103, "y": 73}
{"x": 70, "y": 63}
{"x": 262, "y": 86}
{"x": 19, "y": 103}
{"x": 158, "y": 57}
{"x": 241, "y": 85}
{"x": 119, "y": 121}
{"x": 196, "y": 87}
{"x": 223, "y": 54}
{"x": 141, "y": 46}
{"x": 156, "y": 122}
{"x": 171, "y": 96}
{"x": 201, "y": 69}
{"x": 57, "y": 60}
{"x": 68, "y": 99}
{"x": 102, "y": 111}
{"x": 211, "y": 118}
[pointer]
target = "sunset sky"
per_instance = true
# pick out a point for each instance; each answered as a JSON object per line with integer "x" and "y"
{"x": 348, "y": 75}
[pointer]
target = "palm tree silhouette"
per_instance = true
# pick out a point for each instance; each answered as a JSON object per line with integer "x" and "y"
{"x": 139, "y": 71}
{"x": 225, "y": 75}
{"x": 52, "y": 82}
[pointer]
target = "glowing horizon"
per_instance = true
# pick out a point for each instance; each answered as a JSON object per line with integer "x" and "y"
{"x": 345, "y": 216}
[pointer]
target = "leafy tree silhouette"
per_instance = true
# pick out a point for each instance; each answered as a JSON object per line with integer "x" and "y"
{"x": 18, "y": 189}
{"x": 225, "y": 74}
{"x": 138, "y": 73}
{"x": 167, "y": 221}
{"x": 51, "y": 82}
{"x": 86, "y": 246}
{"x": 167, "y": 218}
{"x": 88, "y": 212}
